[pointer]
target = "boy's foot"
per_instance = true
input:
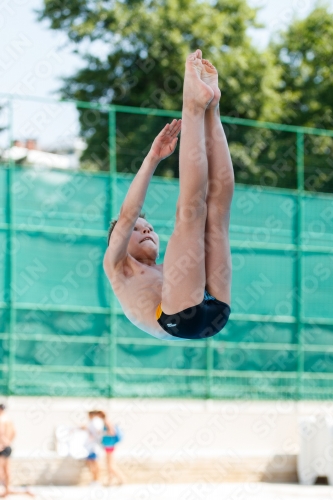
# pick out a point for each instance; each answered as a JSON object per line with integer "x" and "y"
{"x": 210, "y": 77}
{"x": 196, "y": 91}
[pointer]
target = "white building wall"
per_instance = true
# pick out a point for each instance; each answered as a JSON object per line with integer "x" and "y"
{"x": 163, "y": 428}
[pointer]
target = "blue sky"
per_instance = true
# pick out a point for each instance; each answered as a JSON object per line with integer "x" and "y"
{"x": 33, "y": 58}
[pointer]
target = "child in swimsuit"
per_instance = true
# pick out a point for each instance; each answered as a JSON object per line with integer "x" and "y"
{"x": 188, "y": 296}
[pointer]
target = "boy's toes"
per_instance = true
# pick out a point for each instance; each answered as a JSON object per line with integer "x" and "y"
{"x": 195, "y": 55}
{"x": 191, "y": 57}
{"x": 208, "y": 63}
{"x": 198, "y": 54}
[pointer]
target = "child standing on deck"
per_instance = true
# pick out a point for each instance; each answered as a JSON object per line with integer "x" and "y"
{"x": 188, "y": 296}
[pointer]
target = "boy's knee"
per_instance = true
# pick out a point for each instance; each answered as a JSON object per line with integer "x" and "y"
{"x": 187, "y": 213}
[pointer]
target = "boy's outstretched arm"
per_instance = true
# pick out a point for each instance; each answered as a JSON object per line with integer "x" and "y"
{"x": 163, "y": 146}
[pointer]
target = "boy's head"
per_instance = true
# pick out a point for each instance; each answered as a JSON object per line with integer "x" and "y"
{"x": 144, "y": 242}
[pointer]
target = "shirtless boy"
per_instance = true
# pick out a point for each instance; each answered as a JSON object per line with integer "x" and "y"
{"x": 7, "y": 434}
{"x": 188, "y": 296}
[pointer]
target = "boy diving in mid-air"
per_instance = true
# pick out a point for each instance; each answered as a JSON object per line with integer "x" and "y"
{"x": 188, "y": 296}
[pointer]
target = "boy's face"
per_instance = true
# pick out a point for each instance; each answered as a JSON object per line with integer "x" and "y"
{"x": 144, "y": 242}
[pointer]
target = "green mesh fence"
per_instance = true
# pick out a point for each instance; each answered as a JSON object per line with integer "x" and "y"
{"x": 63, "y": 333}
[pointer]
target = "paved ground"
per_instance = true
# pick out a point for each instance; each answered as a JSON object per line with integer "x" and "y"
{"x": 250, "y": 491}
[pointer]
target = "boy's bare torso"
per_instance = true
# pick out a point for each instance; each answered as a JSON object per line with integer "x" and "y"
{"x": 5, "y": 432}
{"x": 138, "y": 288}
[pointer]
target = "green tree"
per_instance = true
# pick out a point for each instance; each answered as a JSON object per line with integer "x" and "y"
{"x": 2, "y": 127}
{"x": 143, "y": 47}
{"x": 304, "y": 55}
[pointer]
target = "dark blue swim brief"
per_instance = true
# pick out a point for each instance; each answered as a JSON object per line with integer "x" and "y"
{"x": 198, "y": 322}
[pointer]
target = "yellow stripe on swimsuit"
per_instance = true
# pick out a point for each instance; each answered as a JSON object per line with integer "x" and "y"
{"x": 158, "y": 311}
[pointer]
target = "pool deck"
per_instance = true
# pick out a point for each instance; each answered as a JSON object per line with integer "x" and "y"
{"x": 198, "y": 491}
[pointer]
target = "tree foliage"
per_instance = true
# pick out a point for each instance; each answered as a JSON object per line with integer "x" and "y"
{"x": 134, "y": 54}
{"x": 144, "y": 49}
{"x": 304, "y": 54}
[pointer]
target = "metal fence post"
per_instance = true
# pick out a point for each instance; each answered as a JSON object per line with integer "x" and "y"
{"x": 209, "y": 367}
{"x": 113, "y": 213}
{"x": 298, "y": 277}
{"x": 11, "y": 274}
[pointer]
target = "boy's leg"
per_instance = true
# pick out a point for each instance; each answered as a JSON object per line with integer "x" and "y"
{"x": 219, "y": 196}
{"x": 184, "y": 264}
{"x": 6, "y": 474}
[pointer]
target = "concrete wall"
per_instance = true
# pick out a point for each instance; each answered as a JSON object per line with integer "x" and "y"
{"x": 165, "y": 441}
{"x": 162, "y": 428}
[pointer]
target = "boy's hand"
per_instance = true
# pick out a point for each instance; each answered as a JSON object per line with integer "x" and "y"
{"x": 166, "y": 141}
